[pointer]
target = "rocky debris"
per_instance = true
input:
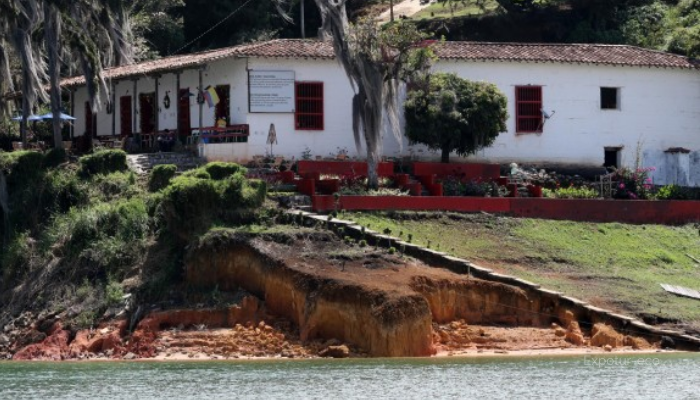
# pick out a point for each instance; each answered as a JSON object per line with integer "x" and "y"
{"x": 637, "y": 343}
{"x": 341, "y": 351}
{"x": 667, "y": 343}
{"x": 53, "y": 348}
{"x": 105, "y": 340}
{"x": 458, "y": 336}
{"x": 572, "y": 330}
{"x": 602, "y": 335}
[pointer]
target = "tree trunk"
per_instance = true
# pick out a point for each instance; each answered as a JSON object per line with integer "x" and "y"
{"x": 26, "y": 109}
{"x": 445, "y": 155}
{"x": 372, "y": 176}
{"x": 52, "y": 33}
{"x": 391, "y": 12}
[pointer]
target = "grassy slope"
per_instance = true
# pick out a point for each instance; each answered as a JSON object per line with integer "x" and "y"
{"x": 438, "y": 10}
{"x": 612, "y": 265}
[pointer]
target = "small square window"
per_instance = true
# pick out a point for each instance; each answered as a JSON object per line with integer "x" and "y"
{"x": 612, "y": 157}
{"x": 609, "y": 98}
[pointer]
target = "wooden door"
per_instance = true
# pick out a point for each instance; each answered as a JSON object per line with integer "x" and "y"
{"x": 125, "y": 116}
{"x": 147, "y": 110}
{"x": 184, "y": 123}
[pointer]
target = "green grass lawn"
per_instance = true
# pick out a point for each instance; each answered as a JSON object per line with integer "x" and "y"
{"x": 610, "y": 265}
{"x": 439, "y": 10}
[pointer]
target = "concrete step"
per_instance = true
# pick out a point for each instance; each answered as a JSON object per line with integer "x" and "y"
{"x": 143, "y": 163}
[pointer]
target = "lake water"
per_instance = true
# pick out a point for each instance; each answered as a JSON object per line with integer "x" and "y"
{"x": 652, "y": 376}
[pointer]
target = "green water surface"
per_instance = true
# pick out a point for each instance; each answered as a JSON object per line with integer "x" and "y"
{"x": 651, "y": 376}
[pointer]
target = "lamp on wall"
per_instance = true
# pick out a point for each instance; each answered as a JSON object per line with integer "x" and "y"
{"x": 166, "y": 100}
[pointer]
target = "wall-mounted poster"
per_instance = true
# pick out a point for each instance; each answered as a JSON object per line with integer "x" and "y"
{"x": 271, "y": 91}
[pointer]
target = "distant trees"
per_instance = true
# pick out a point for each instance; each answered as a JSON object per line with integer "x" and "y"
{"x": 157, "y": 27}
{"x": 448, "y": 113}
{"x": 668, "y": 25}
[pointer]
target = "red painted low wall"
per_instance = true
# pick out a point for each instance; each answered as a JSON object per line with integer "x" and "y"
{"x": 470, "y": 171}
{"x": 628, "y": 211}
{"x": 307, "y": 186}
{"x": 465, "y": 204}
{"x": 342, "y": 168}
{"x": 625, "y": 211}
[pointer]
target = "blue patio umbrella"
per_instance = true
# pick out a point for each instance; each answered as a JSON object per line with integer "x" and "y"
{"x": 62, "y": 116}
{"x": 30, "y": 118}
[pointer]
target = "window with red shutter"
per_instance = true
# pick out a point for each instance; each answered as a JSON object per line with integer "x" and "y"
{"x": 528, "y": 109}
{"x": 308, "y": 113}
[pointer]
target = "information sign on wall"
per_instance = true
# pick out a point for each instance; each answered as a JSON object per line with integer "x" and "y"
{"x": 271, "y": 91}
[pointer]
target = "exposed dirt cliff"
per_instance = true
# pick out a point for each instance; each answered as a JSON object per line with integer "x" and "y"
{"x": 314, "y": 295}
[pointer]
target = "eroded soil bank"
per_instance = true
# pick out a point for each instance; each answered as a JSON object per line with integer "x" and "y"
{"x": 315, "y": 295}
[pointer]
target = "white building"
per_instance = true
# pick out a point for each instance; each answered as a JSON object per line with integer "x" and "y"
{"x": 569, "y": 104}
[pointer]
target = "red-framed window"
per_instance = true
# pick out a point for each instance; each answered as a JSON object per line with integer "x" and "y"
{"x": 308, "y": 113}
{"x": 528, "y": 109}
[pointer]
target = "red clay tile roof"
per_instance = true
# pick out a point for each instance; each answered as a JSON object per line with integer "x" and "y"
{"x": 621, "y": 55}
{"x": 603, "y": 54}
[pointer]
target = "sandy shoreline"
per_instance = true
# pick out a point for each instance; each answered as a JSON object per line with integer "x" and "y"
{"x": 442, "y": 355}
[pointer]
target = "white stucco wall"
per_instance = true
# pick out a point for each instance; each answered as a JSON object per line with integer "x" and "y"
{"x": 659, "y": 109}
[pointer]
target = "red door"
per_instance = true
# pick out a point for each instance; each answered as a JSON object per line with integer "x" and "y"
{"x": 125, "y": 116}
{"x": 183, "y": 113}
{"x": 147, "y": 107}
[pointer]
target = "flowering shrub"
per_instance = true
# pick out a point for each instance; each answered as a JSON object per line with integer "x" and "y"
{"x": 633, "y": 184}
{"x": 459, "y": 185}
{"x": 271, "y": 178}
{"x": 573, "y": 192}
{"x": 452, "y": 186}
{"x": 356, "y": 185}
{"x": 674, "y": 192}
{"x": 477, "y": 187}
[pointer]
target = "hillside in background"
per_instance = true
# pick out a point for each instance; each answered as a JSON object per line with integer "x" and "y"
{"x": 663, "y": 25}
{"x": 195, "y": 25}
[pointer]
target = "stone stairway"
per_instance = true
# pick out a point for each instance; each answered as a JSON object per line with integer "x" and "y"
{"x": 143, "y": 163}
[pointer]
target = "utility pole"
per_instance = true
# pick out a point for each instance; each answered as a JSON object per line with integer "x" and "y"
{"x": 303, "y": 31}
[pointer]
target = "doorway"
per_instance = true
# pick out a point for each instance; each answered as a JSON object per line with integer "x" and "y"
{"x": 125, "y": 116}
{"x": 613, "y": 157}
{"x": 147, "y": 109}
{"x": 89, "y": 121}
{"x": 184, "y": 123}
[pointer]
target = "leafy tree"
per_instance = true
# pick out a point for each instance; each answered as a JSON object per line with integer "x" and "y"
{"x": 448, "y": 113}
{"x": 375, "y": 61}
{"x": 685, "y": 35}
{"x": 508, "y": 5}
{"x": 157, "y": 27}
{"x": 238, "y": 23}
